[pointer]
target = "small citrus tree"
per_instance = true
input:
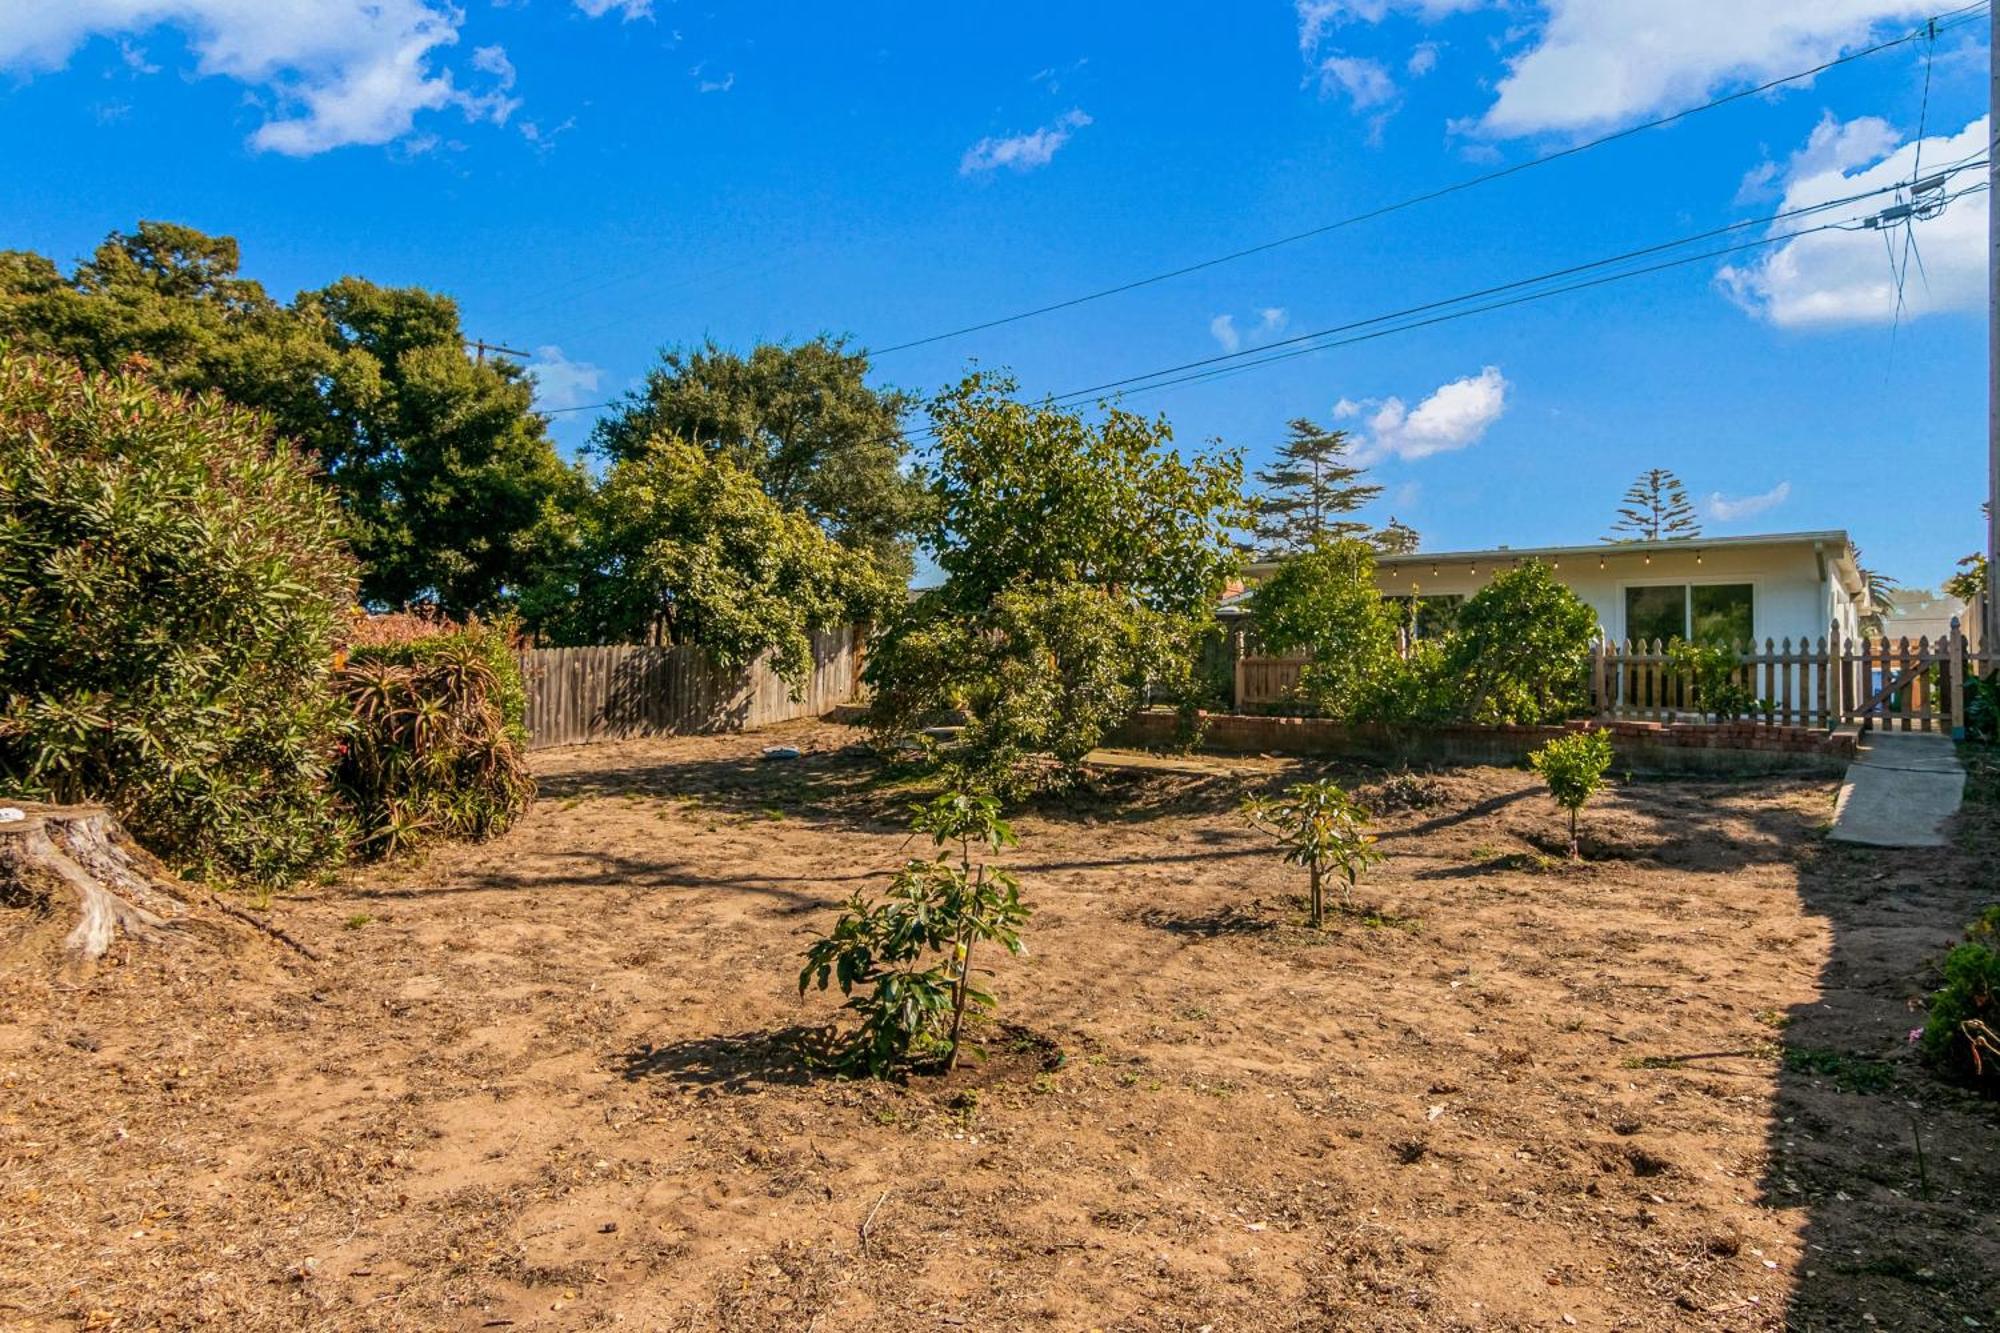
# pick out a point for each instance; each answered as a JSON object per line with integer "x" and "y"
{"x": 1322, "y": 828}
{"x": 884, "y": 955}
{"x": 1574, "y": 768}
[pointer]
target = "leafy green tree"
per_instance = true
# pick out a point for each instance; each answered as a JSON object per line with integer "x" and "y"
{"x": 1306, "y": 489}
{"x": 1520, "y": 651}
{"x": 1321, "y": 828}
{"x": 1655, "y": 508}
{"x": 804, "y": 420}
{"x": 1324, "y": 604}
{"x": 453, "y": 489}
{"x": 1574, "y": 767}
{"x": 680, "y": 545}
{"x": 172, "y": 590}
{"x": 884, "y": 955}
{"x": 1081, "y": 562}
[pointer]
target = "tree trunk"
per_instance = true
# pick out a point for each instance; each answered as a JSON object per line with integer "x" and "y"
{"x": 83, "y": 851}
{"x": 1318, "y": 914}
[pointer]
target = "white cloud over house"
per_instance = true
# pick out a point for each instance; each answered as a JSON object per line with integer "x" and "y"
{"x": 1022, "y": 152}
{"x": 1452, "y": 417}
{"x": 1725, "y": 509}
{"x": 1836, "y": 278}
{"x": 333, "y": 73}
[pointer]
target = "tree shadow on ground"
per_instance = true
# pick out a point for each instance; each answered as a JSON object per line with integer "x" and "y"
{"x": 1208, "y": 925}
{"x": 1906, "y": 1237}
{"x": 736, "y": 1063}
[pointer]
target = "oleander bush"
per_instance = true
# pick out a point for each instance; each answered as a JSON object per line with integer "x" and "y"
{"x": 173, "y": 586}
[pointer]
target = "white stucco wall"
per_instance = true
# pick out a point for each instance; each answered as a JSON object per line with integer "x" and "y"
{"x": 1791, "y": 598}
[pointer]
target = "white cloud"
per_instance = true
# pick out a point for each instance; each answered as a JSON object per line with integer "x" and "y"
{"x": 631, "y": 9}
{"x": 1365, "y": 82}
{"x": 1022, "y": 152}
{"x": 561, "y": 382}
{"x": 1316, "y": 17}
{"x": 1725, "y": 510}
{"x": 1423, "y": 59}
{"x": 707, "y": 85}
{"x": 1834, "y": 145}
{"x": 1271, "y": 322}
{"x": 336, "y": 72}
{"x": 1454, "y": 416}
{"x": 1846, "y": 277}
{"x": 1600, "y": 62}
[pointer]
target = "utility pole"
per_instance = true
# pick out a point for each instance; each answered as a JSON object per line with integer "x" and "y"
{"x": 482, "y": 347}
{"x": 1990, "y": 631}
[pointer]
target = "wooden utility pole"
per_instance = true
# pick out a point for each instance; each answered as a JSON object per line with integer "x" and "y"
{"x": 481, "y": 347}
{"x": 1990, "y": 631}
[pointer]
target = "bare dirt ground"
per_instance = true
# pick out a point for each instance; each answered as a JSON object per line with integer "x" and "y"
{"x": 552, "y": 1082}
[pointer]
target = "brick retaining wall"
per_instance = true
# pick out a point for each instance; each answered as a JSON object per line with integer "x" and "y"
{"x": 1667, "y": 747}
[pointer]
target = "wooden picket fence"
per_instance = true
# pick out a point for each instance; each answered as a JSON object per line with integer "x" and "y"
{"x": 578, "y": 695}
{"x": 1890, "y": 684}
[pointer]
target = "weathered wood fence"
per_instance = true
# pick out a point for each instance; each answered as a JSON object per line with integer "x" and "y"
{"x": 576, "y": 695}
{"x": 1890, "y": 684}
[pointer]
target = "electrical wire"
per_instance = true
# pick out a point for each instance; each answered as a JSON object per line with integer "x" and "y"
{"x": 1929, "y": 30}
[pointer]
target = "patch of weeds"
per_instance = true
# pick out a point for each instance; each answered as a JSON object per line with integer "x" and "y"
{"x": 1409, "y": 1152}
{"x": 1850, "y": 1073}
{"x": 1526, "y": 862}
{"x": 571, "y": 803}
{"x": 1194, "y": 1013}
{"x": 1386, "y": 921}
{"x": 357, "y": 921}
{"x": 1408, "y": 791}
{"x": 772, "y": 812}
{"x": 1043, "y": 1084}
{"x": 1775, "y": 1019}
{"x": 1653, "y": 1062}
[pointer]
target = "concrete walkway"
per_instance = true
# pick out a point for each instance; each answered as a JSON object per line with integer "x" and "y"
{"x": 1899, "y": 791}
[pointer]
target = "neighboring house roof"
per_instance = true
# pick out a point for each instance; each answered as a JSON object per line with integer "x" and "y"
{"x": 1833, "y": 546}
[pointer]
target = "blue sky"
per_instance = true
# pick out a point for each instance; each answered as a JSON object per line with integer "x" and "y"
{"x": 594, "y": 180}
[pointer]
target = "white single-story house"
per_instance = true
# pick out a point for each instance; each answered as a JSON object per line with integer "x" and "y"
{"x": 1776, "y": 586}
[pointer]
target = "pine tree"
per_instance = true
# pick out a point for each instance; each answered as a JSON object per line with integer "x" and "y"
{"x": 1306, "y": 489}
{"x": 1398, "y": 538}
{"x": 1656, "y": 508}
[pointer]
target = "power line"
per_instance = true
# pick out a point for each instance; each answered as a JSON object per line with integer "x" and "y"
{"x": 1215, "y": 367}
{"x": 1932, "y": 26}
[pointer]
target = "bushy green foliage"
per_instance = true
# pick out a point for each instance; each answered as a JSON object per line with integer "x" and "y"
{"x": 683, "y": 546}
{"x": 1714, "y": 676}
{"x": 1323, "y": 604}
{"x": 453, "y": 490}
{"x": 1574, "y": 766}
{"x": 1961, "y": 1033}
{"x": 1520, "y": 652}
{"x": 1082, "y": 562}
{"x": 1322, "y": 828}
{"x": 436, "y": 742}
{"x": 804, "y": 420}
{"x": 904, "y": 961}
{"x": 172, "y": 590}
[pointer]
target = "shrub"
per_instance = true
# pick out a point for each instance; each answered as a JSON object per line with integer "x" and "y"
{"x": 1962, "y": 1032}
{"x": 1322, "y": 828}
{"x": 1521, "y": 651}
{"x": 172, "y": 588}
{"x": 1574, "y": 768}
{"x": 436, "y": 745}
{"x": 1713, "y": 675}
{"x": 885, "y": 955}
{"x": 1324, "y": 603}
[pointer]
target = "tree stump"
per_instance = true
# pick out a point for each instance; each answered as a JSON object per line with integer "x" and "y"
{"x": 83, "y": 852}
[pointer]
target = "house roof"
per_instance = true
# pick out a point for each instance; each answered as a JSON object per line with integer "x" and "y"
{"x": 1832, "y": 544}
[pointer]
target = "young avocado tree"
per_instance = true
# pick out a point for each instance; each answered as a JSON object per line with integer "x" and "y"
{"x": 905, "y": 962}
{"x": 1574, "y": 767}
{"x": 1321, "y": 828}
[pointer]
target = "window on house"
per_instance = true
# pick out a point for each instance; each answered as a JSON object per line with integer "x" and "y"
{"x": 1714, "y": 613}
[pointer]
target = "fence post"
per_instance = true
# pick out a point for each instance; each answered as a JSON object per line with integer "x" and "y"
{"x": 1600, "y": 702}
{"x": 1236, "y": 637}
{"x": 1954, "y": 681}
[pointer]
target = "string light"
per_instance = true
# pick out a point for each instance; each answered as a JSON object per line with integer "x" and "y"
{"x": 1600, "y": 562}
